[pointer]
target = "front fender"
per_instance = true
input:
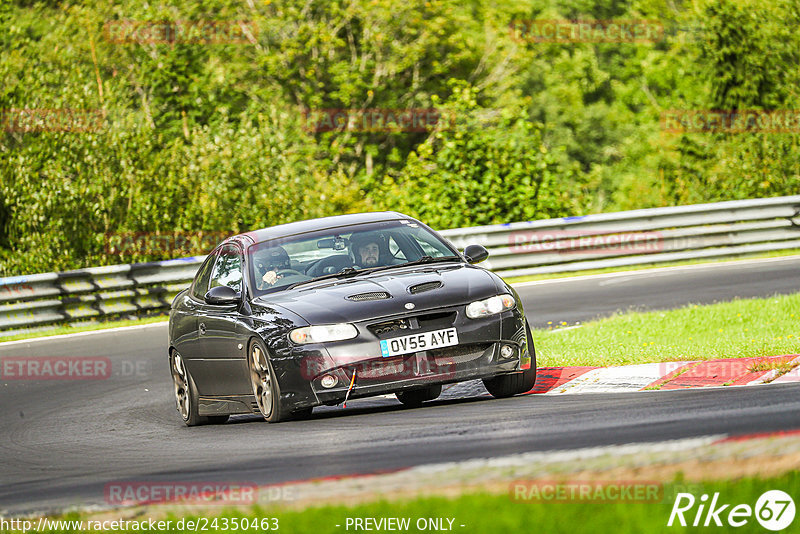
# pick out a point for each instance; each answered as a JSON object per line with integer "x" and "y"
{"x": 294, "y": 368}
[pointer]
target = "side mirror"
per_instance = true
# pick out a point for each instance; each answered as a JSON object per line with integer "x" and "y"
{"x": 222, "y": 295}
{"x": 475, "y": 254}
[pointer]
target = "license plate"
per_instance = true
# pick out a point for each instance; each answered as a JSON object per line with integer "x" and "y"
{"x": 417, "y": 342}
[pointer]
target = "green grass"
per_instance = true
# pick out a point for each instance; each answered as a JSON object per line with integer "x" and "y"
{"x": 550, "y": 276}
{"x": 737, "y": 329}
{"x": 66, "y": 329}
{"x": 491, "y": 513}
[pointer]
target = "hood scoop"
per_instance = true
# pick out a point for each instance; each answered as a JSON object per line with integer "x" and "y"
{"x": 423, "y": 287}
{"x": 372, "y": 295}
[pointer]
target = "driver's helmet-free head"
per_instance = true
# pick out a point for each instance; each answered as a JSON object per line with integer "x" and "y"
{"x": 271, "y": 259}
{"x": 368, "y": 241}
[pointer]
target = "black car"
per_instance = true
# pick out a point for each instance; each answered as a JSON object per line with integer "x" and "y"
{"x": 283, "y": 319}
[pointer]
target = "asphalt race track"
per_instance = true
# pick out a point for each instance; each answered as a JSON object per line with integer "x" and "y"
{"x": 63, "y": 441}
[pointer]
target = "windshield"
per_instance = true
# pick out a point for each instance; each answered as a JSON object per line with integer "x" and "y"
{"x": 280, "y": 263}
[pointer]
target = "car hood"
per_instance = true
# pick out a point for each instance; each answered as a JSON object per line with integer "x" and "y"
{"x": 327, "y": 301}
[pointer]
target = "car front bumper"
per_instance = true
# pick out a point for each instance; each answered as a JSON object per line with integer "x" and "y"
{"x": 391, "y": 375}
{"x": 478, "y": 355}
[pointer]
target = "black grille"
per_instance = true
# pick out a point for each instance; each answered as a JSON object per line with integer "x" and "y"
{"x": 385, "y": 367}
{"x": 459, "y": 353}
{"x": 425, "y": 286}
{"x": 374, "y": 295}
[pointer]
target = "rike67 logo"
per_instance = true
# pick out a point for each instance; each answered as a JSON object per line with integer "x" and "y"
{"x": 774, "y": 510}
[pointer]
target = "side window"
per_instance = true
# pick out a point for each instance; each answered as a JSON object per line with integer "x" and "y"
{"x": 228, "y": 269}
{"x": 431, "y": 246}
{"x": 200, "y": 286}
{"x": 395, "y": 250}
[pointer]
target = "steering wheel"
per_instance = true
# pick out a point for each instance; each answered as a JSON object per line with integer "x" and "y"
{"x": 337, "y": 262}
{"x": 279, "y": 273}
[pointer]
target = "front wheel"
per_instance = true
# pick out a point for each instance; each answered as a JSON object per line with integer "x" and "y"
{"x": 265, "y": 385}
{"x": 514, "y": 384}
{"x": 415, "y": 397}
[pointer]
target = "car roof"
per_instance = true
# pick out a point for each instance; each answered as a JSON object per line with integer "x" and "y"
{"x": 322, "y": 223}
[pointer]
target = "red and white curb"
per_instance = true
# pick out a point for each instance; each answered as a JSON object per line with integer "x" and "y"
{"x": 668, "y": 375}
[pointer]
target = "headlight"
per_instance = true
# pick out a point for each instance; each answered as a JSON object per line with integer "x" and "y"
{"x": 490, "y": 306}
{"x": 323, "y": 333}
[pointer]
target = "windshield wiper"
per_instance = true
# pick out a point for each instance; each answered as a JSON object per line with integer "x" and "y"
{"x": 428, "y": 259}
{"x": 422, "y": 261}
{"x": 352, "y": 271}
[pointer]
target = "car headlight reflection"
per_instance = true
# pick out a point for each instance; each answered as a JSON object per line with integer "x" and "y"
{"x": 323, "y": 333}
{"x": 490, "y": 306}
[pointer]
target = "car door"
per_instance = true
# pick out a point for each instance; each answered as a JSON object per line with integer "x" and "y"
{"x": 220, "y": 331}
{"x": 185, "y": 336}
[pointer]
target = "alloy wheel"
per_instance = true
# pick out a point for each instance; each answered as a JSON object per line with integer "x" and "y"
{"x": 261, "y": 379}
{"x": 181, "y": 382}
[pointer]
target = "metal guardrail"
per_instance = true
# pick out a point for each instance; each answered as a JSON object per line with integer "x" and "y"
{"x": 87, "y": 294}
{"x": 637, "y": 237}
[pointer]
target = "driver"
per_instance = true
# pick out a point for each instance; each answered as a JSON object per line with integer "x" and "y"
{"x": 368, "y": 250}
{"x": 268, "y": 263}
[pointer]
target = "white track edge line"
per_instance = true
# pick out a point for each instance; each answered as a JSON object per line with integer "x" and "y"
{"x": 82, "y": 334}
{"x": 654, "y": 270}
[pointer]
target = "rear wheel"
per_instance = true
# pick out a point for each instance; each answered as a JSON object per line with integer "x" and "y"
{"x": 516, "y": 383}
{"x": 415, "y": 397}
{"x": 185, "y": 392}
{"x": 265, "y": 385}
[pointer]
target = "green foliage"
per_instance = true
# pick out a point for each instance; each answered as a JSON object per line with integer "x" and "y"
{"x": 201, "y": 137}
{"x": 744, "y": 55}
{"x": 482, "y": 167}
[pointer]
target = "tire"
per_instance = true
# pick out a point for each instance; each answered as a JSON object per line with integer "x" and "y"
{"x": 185, "y": 392}
{"x": 415, "y": 397}
{"x": 514, "y": 384}
{"x": 265, "y": 385}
